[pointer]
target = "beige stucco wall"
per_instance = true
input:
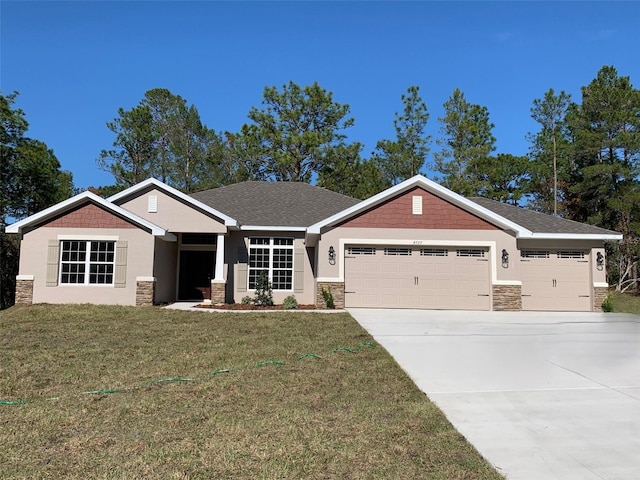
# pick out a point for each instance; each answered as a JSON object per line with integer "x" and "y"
{"x": 165, "y": 270}
{"x": 496, "y": 239}
{"x": 173, "y": 214}
{"x": 238, "y": 239}
{"x": 33, "y": 261}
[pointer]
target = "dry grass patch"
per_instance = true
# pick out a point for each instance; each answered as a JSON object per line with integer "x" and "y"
{"x": 344, "y": 415}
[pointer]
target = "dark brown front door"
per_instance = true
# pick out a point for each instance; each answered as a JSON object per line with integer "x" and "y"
{"x": 196, "y": 272}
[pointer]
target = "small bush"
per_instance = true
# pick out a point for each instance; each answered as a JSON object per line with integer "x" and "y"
{"x": 607, "y": 305}
{"x": 264, "y": 291}
{"x": 246, "y": 300}
{"x": 290, "y": 303}
{"x": 328, "y": 298}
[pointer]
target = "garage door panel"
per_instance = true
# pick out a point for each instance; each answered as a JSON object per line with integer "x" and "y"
{"x": 553, "y": 283}
{"x": 443, "y": 280}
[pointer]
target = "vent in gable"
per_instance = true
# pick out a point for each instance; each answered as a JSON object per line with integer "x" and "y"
{"x": 417, "y": 205}
{"x": 152, "y": 206}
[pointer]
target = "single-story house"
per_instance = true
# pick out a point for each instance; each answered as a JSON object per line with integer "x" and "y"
{"x": 414, "y": 245}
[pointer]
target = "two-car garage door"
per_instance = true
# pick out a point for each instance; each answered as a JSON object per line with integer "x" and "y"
{"x": 417, "y": 277}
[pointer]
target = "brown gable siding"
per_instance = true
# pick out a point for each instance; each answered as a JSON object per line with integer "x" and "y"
{"x": 436, "y": 214}
{"x": 88, "y": 216}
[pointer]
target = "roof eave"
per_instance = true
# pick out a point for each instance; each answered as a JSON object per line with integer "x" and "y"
{"x": 272, "y": 228}
{"x": 575, "y": 236}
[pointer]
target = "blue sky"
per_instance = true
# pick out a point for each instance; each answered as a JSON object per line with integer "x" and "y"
{"x": 76, "y": 63}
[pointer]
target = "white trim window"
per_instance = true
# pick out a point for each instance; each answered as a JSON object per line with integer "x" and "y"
{"x": 87, "y": 262}
{"x": 275, "y": 256}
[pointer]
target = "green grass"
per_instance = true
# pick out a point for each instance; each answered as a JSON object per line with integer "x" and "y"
{"x": 625, "y": 303}
{"x": 343, "y": 415}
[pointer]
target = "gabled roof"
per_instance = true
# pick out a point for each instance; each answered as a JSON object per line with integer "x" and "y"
{"x": 542, "y": 224}
{"x": 275, "y": 204}
{"x": 152, "y": 182}
{"x": 88, "y": 197}
{"x": 430, "y": 186}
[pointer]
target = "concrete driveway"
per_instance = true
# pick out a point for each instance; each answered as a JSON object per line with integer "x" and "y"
{"x": 540, "y": 395}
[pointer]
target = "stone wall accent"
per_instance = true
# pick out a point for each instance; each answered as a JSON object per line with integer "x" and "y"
{"x": 218, "y": 292}
{"x": 436, "y": 214}
{"x": 24, "y": 292}
{"x": 145, "y": 293}
{"x": 599, "y": 295}
{"x": 336, "y": 289}
{"x": 507, "y": 298}
{"x": 88, "y": 216}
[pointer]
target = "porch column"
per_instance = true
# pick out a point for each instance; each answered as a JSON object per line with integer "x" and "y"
{"x": 219, "y": 274}
{"x": 218, "y": 285}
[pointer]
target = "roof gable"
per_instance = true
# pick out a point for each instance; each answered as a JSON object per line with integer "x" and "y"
{"x": 79, "y": 200}
{"x": 435, "y": 213}
{"x": 428, "y": 186}
{"x": 121, "y": 197}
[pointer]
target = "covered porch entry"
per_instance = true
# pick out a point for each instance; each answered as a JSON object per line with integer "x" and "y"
{"x": 200, "y": 263}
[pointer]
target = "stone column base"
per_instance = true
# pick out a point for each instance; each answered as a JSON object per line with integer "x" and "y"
{"x": 599, "y": 296}
{"x": 145, "y": 291}
{"x": 218, "y": 292}
{"x": 24, "y": 290}
{"x": 337, "y": 291}
{"x": 507, "y": 298}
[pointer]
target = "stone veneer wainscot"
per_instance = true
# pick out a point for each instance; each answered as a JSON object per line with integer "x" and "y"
{"x": 507, "y": 298}
{"x": 145, "y": 291}
{"x": 24, "y": 290}
{"x": 336, "y": 289}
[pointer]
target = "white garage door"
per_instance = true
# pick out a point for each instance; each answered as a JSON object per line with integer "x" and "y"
{"x": 406, "y": 277}
{"x": 555, "y": 280}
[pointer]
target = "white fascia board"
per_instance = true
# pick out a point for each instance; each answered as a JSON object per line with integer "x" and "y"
{"x": 574, "y": 236}
{"x": 432, "y": 187}
{"x": 228, "y": 221}
{"x": 80, "y": 198}
{"x": 272, "y": 228}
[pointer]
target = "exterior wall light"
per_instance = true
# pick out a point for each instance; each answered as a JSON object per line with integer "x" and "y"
{"x": 599, "y": 261}
{"x": 505, "y": 258}
{"x": 332, "y": 255}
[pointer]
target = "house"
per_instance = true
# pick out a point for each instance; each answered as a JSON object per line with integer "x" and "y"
{"x": 414, "y": 245}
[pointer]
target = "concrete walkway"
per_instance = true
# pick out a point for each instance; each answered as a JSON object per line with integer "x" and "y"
{"x": 540, "y": 395}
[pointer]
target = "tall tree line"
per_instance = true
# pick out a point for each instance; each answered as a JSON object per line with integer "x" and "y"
{"x": 31, "y": 180}
{"x": 582, "y": 163}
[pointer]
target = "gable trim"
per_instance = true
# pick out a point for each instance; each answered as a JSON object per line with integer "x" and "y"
{"x": 228, "y": 221}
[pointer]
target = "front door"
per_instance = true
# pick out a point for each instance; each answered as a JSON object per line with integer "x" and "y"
{"x": 196, "y": 272}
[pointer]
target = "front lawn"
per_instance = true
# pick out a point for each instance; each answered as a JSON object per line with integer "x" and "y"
{"x": 127, "y": 393}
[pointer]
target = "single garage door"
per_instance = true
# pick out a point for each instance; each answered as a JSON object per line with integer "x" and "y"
{"x": 555, "y": 280}
{"x": 407, "y": 277}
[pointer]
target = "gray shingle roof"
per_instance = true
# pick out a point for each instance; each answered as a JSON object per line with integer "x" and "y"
{"x": 287, "y": 204}
{"x": 539, "y": 222}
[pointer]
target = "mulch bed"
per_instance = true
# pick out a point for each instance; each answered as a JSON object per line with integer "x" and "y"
{"x": 239, "y": 306}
